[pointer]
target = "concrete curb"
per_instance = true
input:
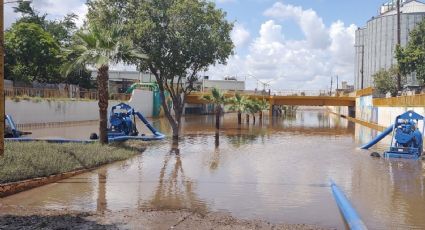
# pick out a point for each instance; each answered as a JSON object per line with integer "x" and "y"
{"x": 11, "y": 188}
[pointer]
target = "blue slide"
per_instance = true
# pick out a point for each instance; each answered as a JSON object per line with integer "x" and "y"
{"x": 378, "y": 138}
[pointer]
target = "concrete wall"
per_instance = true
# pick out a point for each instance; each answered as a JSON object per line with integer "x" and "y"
{"x": 44, "y": 111}
{"x": 383, "y": 116}
{"x": 142, "y": 101}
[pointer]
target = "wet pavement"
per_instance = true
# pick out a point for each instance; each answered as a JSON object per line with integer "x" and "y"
{"x": 277, "y": 171}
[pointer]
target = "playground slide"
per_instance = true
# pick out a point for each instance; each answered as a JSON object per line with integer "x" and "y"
{"x": 378, "y": 138}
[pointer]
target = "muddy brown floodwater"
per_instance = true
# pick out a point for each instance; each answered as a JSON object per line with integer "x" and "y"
{"x": 278, "y": 171}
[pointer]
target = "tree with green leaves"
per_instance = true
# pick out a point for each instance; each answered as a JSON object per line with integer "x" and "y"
{"x": 31, "y": 54}
{"x": 181, "y": 37}
{"x": 411, "y": 59}
{"x": 218, "y": 99}
{"x": 62, "y": 29}
{"x": 385, "y": 81}
{"x": 262, "y": 105}
{"x": 252, "y": 107}
{"x": 100, "y": 48}
{"x": 238, "y": 104}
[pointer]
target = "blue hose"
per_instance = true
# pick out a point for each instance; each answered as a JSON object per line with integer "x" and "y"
{"x": 159, "y": 136}
{"x": 378, "y": 138}
{"x": 350, "y": 215}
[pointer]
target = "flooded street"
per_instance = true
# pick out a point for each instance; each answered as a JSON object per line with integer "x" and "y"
{"x": 278, "y": 171}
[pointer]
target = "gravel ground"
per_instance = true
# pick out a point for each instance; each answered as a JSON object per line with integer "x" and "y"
{"x": 22, "y": 218}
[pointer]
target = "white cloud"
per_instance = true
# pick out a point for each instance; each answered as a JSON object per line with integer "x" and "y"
{"x": 295, "y": 64}
{"x": 9, "y": 16}
{"x": 225, "y": 1}
{"x": 310, "y": 23}
{"x": 55, "y": 9}
{"x": 240, "y": 35}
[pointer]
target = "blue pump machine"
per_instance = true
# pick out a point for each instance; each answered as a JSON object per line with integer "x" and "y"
{"x": 122, "y": 127}
{"x": 122, "y": 124}
{"x": 407, "y": 141}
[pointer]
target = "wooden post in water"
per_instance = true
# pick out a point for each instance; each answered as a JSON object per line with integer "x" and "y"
{"x": 1, "y": 78}
{"x": 271, "y": 103}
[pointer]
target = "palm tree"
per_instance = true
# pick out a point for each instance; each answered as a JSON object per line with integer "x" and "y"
{"x": 100, "y": 48}
{"x": 218, "y": 99}
{"x": 263, "y": 105}
{"x": 238, "y": 104}
{"x": 252, "y": 107}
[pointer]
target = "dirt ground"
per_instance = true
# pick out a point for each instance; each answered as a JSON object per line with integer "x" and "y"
{"x": 22, "y": 218}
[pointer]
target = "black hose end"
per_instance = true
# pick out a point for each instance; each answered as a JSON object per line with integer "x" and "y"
{"x": 375, "y": 154}
{"x": 94, "y": 136}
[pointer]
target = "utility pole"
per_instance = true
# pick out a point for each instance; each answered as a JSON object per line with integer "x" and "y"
{"x": 1, "y": 77}
{"x": 330, "y": 91}
{"x": 398, "y": 40}
{"x": 337, "y": 82}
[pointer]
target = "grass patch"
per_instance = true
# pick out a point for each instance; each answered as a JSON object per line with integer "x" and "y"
{"x": 39, "y": 159}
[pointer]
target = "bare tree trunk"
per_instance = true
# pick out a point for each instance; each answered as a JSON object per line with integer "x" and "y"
{"x": 103, "y": 97}
{"x": 253, "y": 119}
{"x": 175, "y": 123}
{"x": 247, "y": 118}
{"x": 217, "y": 116}
{"x": 261, "y": 116}
{"x": 239, "y": 118}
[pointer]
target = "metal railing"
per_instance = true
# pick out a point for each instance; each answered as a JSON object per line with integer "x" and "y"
{"x": 14, "y": 92}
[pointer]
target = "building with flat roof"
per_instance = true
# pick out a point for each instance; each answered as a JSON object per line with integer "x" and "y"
{"x": 121, "y": 80}
{"x": 375, "y": 43}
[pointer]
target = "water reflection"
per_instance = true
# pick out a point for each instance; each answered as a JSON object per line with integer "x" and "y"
{"x": 174, "y": 189}
{"x": 101, "y": 193}
{"x": 278, "y": 171}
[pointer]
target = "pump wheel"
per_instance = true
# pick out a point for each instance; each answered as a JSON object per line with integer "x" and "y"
{"x": 94, "y": 136}
{"x": 375, "y": 154}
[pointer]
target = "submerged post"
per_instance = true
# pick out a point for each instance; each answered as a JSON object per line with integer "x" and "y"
{"x": 271, "y": 103}
{"x": 350, "y": 215}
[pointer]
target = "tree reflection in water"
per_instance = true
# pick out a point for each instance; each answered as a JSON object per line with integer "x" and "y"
{"x": 101, "y": 204}
{"x": 175, "y": 190}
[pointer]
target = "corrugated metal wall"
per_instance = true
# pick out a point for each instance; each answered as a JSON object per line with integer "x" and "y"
{"x": 378, "y": 39}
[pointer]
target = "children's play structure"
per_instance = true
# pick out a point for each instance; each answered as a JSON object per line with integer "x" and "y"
{"x": 407, "y": 137}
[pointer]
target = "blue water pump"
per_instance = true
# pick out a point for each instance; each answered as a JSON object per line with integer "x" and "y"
{"x": 407, "y": 141}
{"x": 122, "y": 125}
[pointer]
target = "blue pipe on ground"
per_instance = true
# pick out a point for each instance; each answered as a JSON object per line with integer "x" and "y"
{"x": 350, "y": 215}
{"x": 378, "y": 138}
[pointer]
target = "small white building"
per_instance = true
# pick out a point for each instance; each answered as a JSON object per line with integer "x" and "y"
{"x": 228, "y": 84}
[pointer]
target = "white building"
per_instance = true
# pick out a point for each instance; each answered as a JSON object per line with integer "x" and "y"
{"x": 121, "y": 80}
{"x": 228, "y": 84}
{"x": 376, "y": 42}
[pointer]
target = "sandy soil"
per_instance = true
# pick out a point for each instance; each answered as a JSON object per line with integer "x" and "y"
{"x": 22, "y": 218}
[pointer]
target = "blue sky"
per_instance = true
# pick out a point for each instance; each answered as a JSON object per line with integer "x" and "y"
{"x": 293, "y": 44}
{"x": 250, "y": 12}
